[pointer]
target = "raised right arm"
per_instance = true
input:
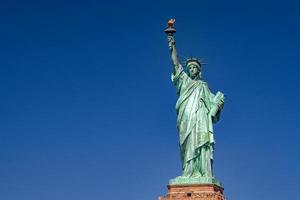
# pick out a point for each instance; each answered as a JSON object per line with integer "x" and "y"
{"x": 171, "y": 42}
{"x": 174, "y": 55}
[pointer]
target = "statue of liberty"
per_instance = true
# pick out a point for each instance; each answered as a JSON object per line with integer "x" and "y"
{"x": 197, "y": 109}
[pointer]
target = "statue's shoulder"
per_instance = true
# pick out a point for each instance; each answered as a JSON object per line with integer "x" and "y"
{"x": 204, "y": 85}
{"x": 203, "y": 82}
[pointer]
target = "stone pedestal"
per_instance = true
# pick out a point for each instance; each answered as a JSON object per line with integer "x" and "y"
{"x": 194, "y": 192}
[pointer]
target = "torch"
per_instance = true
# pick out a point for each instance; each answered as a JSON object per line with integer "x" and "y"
{"x": 170, "y": 30}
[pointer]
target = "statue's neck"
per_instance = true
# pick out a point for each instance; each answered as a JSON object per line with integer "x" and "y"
{"x": 196, "y": 78}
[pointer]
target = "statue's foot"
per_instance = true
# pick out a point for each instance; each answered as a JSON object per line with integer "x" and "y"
{"x": 196, "y": 174}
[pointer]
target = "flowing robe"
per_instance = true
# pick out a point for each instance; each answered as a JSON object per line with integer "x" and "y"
{"x": 194, "y": 121}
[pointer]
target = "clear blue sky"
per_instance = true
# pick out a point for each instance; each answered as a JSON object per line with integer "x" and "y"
{"x": 87, "y": 104}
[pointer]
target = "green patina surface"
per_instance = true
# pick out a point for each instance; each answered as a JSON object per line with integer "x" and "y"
{"x": 197, "y": 109}
{"x": 194, "y": 180}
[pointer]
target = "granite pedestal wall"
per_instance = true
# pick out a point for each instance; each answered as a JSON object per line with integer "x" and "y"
{"x": 194, "y": 192}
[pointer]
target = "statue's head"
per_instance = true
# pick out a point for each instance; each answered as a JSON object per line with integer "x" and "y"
{"x": 193, "y": 67}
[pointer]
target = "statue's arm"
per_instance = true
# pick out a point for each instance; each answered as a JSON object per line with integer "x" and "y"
{"x": 174, "y": 55}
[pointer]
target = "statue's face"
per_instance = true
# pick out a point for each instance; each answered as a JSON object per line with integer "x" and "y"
{"x": 193, "y": 70}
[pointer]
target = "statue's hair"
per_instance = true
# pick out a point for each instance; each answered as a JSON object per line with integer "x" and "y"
{"x": 193, "y": 60}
